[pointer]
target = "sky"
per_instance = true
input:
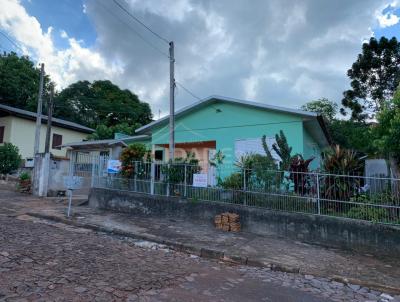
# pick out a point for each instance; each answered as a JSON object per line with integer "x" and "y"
{"x": 278, "y": 52}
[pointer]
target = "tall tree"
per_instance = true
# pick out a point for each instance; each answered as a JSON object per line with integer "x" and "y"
{"x": 374, "y": 78}
{"x": 387, "y": 131}
{"x": 322, "y": 106}
{"x": 102, "y": 104}
{"x": 350, "y": 134}
{"x": 19, "y": 81}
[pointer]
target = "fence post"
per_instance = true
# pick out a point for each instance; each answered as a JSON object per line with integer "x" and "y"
{"x": 244, "y": 187}
{"x": 168, "y": 176}
{"x": 134, "y": 177}
{"x": 152, "y": 177}
{"x": 318, "y": 197}
{"x": 185, "y": 184}
{"x": 94, "y": 170}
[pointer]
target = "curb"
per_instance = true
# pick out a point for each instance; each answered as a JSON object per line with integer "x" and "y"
{"x": 210, "y": 253}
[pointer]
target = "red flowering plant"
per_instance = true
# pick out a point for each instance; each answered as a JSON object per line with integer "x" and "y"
{"x": 133, "y": 153}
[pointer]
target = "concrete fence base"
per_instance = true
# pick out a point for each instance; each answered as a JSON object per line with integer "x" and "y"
{"x": 360, "y": 236}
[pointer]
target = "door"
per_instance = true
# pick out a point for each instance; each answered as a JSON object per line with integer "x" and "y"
{"x": 212, "y": 176}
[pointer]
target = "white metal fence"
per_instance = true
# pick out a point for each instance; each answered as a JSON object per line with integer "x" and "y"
{"x": 374, "y": 199}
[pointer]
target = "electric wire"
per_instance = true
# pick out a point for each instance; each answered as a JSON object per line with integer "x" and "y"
{"x": 137, "y": 33}
{"x": 11, "y": 41}
{"x": 140, "y": 22}
{"x": 187, "y": 90}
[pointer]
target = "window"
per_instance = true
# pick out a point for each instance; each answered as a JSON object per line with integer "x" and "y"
{"x": 1, "y": 134}
{"x": 57, "y": 141}
{"x": 158, "y": 155}
{"x": 254, "y": 146}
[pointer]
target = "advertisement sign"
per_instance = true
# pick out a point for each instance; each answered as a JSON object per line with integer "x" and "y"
{"x": 113, "y": 166}
{"x": 200, "y": 180}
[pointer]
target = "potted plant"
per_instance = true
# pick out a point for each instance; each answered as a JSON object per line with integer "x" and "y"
{"x": 24, "y": 182}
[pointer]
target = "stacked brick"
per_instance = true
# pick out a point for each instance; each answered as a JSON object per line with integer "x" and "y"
{"x": 228, "y": 222}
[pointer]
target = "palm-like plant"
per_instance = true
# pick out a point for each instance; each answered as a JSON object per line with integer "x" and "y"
{"x": 342, "y": 165}
{"x": 342, "y": 161}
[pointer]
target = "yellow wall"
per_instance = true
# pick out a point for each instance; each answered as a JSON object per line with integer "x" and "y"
{"x": 21, "y": 132}
{"x": 6, "y": 122}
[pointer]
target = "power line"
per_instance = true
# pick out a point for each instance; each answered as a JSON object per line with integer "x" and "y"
{"x": 188, "y": 91}
{"x": 138, "y": 34}
{"x": 140, "y": 22}
{"x": 11, "y": 41}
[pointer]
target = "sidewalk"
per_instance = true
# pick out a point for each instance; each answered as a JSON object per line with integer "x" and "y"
{"x": 204, "y": 240}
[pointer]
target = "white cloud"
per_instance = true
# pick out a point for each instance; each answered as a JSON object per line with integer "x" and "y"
{"x": 64, "y": 66}
{"x": 63, "y": 34}
{"x": 389, "y": 18}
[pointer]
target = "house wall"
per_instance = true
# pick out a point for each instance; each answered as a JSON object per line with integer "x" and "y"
{"x": 6, "y": 122}
{"x": 21, "y": 132}
{"x": 233, "y": 122}
{"x": 311, "y": 148}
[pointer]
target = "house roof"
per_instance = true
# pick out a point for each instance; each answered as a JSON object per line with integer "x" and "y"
{"x": 215, "y": 98}
{"x": 313, "y": 118}
{"x": 105, "y": 143}
{"x": 91, "y": 145}
{"x": 129, "y": 139}
{"x": 55, "y": 121}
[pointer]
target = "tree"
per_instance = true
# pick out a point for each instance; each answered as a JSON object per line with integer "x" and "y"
{"x": 350, "y": 134}
{"x": 282, "y": 148}
{"x": 104, "y": 132}
{"x": 19, "y": 81}
{"x": 323, "y": 106}
{"x": 101, "y": 103}
{"x": 9, "y": 158}
{"x": 374, "y": 78}
{"x": 355, "y": 135}
{"x": 387, "y": 132}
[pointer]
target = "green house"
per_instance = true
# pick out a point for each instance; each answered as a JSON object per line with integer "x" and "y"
{"x": 234, "y": 127}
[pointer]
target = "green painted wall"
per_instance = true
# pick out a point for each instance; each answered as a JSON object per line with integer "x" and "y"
{"x": 233, "y": 122}
{"x": 311, "y": 148}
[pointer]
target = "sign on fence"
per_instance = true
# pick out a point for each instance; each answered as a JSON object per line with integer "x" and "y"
{"x": 113, "y": 166}
{"x": 200, "y": 180}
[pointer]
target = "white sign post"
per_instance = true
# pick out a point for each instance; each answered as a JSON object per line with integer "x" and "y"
{"x": 200, "y": 180}
{"x": 72, "y": 183}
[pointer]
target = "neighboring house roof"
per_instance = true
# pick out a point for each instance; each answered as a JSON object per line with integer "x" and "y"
{"x": 95, "y": 145}
{"x": 55, "y": 121}
{"x": 135, "y": 138}
{"x": 105, "y": 143}
{"x": 316, "y": 119}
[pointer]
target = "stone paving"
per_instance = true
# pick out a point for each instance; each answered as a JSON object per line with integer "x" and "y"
{"x": 308, "y": 259}
{"x": 47, "y": 261}
{"x": 42, "y": 261}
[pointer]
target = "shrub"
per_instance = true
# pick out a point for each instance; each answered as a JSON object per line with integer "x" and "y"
{"x": 24, "y": 176}
{"x": 9, "y": 158}
{"x": 134, "y": 152}
{"x": 233, "y": 181}
{"x": 367, "y": 213}
{"x": 175, "y": 173}
{"x": 341, "y": 162}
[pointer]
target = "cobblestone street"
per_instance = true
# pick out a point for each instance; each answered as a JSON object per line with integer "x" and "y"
{"x": 42, "y": 260}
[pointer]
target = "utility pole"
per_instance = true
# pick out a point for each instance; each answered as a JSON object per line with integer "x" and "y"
{"x": 171, "y": 102}
{"x": 49, "y": 118}
{"x": 39, "y": 112}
